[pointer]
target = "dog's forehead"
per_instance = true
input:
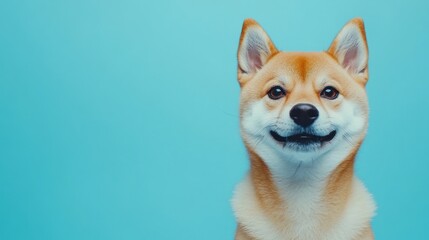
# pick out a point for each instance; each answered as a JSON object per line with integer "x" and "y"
{"x": 303, "y": 66}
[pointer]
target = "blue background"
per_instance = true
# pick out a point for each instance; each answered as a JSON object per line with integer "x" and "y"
{"x": 119, "y": 119}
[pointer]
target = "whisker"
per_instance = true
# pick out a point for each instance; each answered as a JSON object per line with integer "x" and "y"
{"x": 259, "y": 140}
{"x": 348, "y": 139}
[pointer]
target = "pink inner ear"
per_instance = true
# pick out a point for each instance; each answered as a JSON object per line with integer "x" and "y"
{"x": 349, "y": 60}
{"x": 254, "y": 58}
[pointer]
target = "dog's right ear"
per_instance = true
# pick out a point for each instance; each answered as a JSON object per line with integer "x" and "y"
{"x": 350, "y": 49}
{"x": 254, "y": 50}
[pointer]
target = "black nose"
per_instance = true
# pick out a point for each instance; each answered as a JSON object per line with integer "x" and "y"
{"x": 304, "y": 114}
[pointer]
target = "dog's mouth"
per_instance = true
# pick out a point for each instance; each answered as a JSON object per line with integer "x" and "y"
{"x": 303, "y": 138}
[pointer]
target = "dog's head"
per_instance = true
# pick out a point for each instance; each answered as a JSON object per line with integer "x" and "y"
{"x": 302, "y": 105}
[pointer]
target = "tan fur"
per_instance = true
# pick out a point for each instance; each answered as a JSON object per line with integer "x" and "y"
{"x": 301, "y": 70}
{"x": 265, "y": 189}
{"x": 337, "y": 190}
{"x": 366, "y": 234}
{"x": 241, "y": 234}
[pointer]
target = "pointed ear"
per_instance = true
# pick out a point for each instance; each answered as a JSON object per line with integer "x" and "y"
{"x": 351, "y": 50}
{"x": 254, "y": 50}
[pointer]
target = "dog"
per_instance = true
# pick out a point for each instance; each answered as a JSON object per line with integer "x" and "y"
{"x": 303, "y": 117}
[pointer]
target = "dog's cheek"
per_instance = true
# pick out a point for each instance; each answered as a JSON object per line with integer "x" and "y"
{"x": 354, "y": 117}
{"x": 253, "y": 118}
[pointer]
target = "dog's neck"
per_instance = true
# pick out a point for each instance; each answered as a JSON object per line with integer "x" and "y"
{"x": 306, "y": 193}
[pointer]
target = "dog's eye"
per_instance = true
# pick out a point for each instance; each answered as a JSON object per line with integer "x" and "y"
{"x": 276, "y": 92}
{"x": 329, "y": 93}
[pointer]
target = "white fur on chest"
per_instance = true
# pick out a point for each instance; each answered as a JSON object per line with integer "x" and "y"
{"x": 303, "y": 211}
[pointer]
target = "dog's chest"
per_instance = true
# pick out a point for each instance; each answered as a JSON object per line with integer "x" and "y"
{"x": 300, "y": 216}
{"x": 304, "y": 216}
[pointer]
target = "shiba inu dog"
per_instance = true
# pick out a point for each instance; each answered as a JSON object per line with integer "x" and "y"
{"x": 303, "y": 117}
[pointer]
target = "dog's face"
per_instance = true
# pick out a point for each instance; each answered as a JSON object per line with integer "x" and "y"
{"x": 303, "y": 105}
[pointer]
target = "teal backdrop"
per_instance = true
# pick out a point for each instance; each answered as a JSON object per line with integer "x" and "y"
{"x": 119, "y": 119}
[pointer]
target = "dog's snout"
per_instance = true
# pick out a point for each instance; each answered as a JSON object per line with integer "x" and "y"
{"x": 304, "y": 114}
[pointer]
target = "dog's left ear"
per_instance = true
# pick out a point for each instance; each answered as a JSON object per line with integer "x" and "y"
{"x": 351, "y": 50}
